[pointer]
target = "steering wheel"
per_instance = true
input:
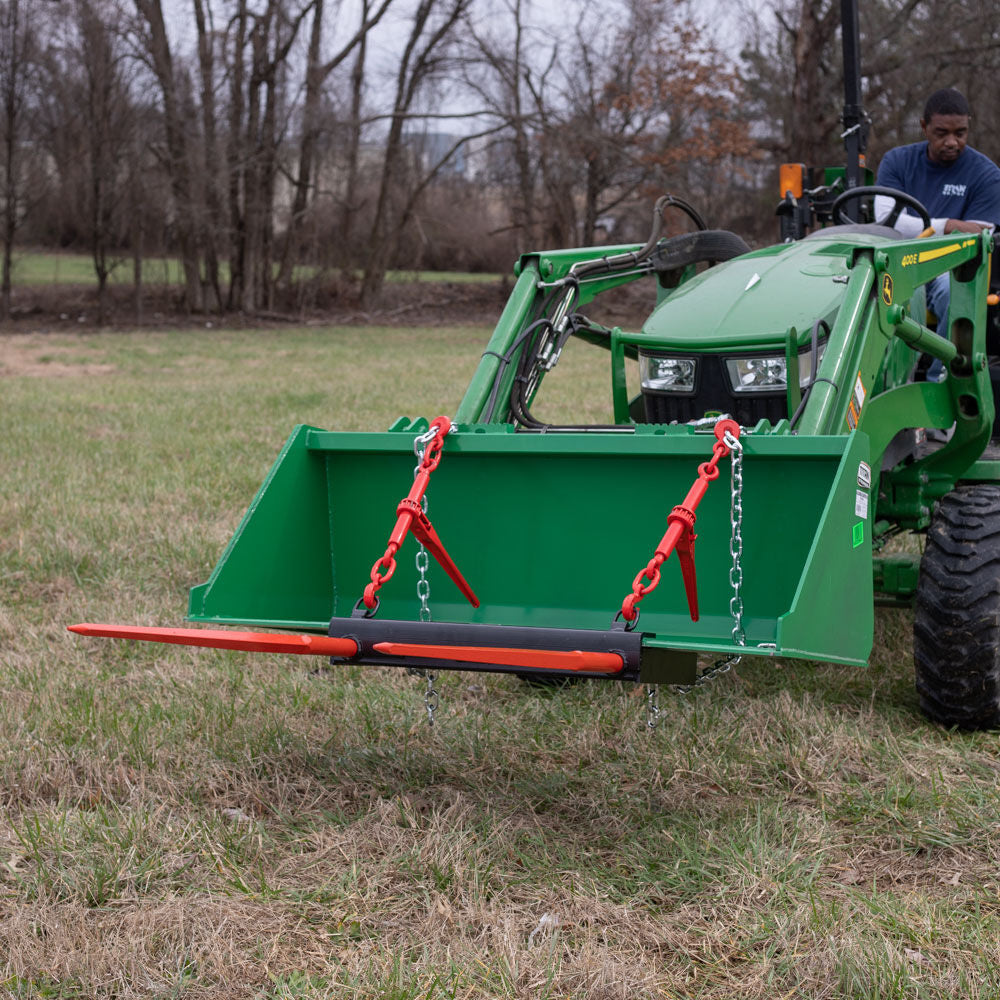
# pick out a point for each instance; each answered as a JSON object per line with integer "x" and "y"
{"x": 901, "y": 198}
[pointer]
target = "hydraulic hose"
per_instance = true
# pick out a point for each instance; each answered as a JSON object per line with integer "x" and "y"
{"x": 814, "y": 352}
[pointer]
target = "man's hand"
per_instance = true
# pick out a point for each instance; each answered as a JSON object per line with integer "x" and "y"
{"x": 961, "y": 226}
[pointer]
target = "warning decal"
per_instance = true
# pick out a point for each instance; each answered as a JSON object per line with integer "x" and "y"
{"x": 858, "y": 398}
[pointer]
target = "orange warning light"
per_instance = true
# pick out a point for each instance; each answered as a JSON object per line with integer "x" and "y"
{"x": 791, "y": 178}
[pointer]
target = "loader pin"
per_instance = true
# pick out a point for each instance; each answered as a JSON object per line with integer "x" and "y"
{"x": 410, "y": 516}
{"x": 680, "y": 536}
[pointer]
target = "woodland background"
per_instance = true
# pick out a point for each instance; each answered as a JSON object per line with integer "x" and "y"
{"x": 289, "y": 153}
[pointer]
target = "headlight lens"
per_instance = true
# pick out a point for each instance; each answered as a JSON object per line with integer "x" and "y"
{"x": 757, "y": 374}
{"x": 667, "y": 374}
{"x": 767, "y": 374}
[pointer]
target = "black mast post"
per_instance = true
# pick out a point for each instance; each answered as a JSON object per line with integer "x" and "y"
{"x": 855, "y": 126}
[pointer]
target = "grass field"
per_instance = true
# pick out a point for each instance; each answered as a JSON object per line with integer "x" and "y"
{"x": 33, "y": 268}
{"x": 198, "y": 823}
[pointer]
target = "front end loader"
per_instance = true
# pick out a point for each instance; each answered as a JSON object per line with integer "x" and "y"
{"x": 767, "y": 433}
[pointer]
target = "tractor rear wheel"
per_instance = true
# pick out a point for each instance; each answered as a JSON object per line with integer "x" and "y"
{"x": 956, "y": 626}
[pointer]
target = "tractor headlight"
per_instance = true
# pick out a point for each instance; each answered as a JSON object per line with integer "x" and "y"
{"x": 663, "y": 374}
{"x": 767, "y": 374}
{"x": 757, "y": 374}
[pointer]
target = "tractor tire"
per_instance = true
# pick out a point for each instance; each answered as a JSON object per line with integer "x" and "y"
{"x": 956, "y": 625}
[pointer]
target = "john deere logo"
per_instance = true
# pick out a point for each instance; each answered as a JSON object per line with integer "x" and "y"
{"x": 887, "y": 289}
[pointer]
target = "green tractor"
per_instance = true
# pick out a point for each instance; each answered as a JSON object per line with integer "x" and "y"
{"x": 793, "y": 365}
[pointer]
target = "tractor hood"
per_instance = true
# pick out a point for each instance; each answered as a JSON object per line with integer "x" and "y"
{"x": 753, "y": 300}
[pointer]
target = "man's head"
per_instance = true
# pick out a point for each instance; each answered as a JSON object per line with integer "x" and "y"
{"x": 946, "y": 126}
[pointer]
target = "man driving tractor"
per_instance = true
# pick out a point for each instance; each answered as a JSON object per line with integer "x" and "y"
{"x": 959, "y": 186}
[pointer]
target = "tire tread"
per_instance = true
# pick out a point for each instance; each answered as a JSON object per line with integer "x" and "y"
{"x": 956, "y": 627}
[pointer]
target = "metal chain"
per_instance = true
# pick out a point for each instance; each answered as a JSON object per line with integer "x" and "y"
{"x": 736, "y": 537}
{"x": 723, "y": 666}
{"x": 431, "y": 699}
{"x": 652, "y": 706}
{"x": 423, "y": 587}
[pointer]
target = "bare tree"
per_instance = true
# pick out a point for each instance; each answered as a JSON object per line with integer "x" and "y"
{"x": 507, "y": 67}
{"x": 259, "y": 114}
{"x": 85, "y": 121}
{"x": 645, "y": 105}
{"x": 431, "y": 29}
{"x": 156, "y": 46}
{"x": 107, "y": 123}
{"x": 214, "y": 228}
{"x": 17, "y": 54}
{"x": 318, "y": 71}
{"x": 794, "y": 71}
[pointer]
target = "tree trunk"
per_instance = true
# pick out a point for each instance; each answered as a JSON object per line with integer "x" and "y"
{"x": 12, "y": 69}
{"x": 178, "y": 164}
{"x": 415, "y": 66}
{"x": 212, "y": 227}
{"x": 808, "y": 132}
{"x": 307, "y": 151}
{"x": 137, "y": 296}
{"x": 351, "y": 206}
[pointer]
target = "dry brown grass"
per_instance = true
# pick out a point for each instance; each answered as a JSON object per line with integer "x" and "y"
{"x": 198, "y": 823}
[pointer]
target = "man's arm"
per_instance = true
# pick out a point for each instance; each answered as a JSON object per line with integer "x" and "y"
{"x": 890, "y": 175}
{"x": 966, "y": 226}
{"x": 985, "y": 201}
{"x": 985, "y": 204}
{"x": 907, "y": 225}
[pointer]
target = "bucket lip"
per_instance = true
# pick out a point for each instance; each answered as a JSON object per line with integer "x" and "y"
{"x": 649, "y": 439}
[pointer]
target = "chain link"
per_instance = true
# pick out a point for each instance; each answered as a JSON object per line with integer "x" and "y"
{"x": 423, "y": 587}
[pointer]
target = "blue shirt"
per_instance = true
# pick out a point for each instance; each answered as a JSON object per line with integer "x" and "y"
{"x": 969, "y": 188}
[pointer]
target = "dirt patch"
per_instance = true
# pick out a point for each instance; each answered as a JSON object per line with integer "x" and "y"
{"x": 32, "y": 354}
{"x": 62, "y": 309}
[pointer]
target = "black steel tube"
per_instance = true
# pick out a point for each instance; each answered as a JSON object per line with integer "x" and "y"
{"x": 854, "y": 123}
{"x": 366, "y": 632}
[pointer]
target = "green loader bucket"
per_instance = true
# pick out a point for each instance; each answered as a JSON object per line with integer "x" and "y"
{"x": 551, "y": 529}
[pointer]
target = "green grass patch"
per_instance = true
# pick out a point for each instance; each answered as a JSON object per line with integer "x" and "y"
{"x": 177, "y": 821}
{"x": 42, "y": 268}
{"x": 39, "y": 268}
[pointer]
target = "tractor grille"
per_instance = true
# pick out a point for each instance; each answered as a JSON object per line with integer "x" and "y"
{"x": 713, "y": 394}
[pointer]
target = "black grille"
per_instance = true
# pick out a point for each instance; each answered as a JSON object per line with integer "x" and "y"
{"x": 713, "y": 394}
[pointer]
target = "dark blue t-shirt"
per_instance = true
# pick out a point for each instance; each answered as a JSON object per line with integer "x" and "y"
{"x": 969, "y": 188}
